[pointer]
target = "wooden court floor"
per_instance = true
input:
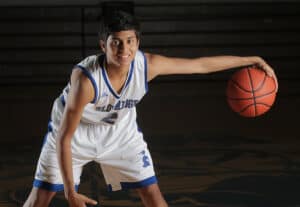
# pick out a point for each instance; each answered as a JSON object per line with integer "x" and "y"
{"x": 212, "y": 171}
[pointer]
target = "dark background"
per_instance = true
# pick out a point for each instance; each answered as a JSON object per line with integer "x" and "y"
{"x": 39, "y": 44}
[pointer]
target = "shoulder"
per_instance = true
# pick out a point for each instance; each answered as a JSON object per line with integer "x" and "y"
{"x": 90, "y": 63}
{"x": 81, "y": 85}
{"x": 78, "y": 75}
{"x": 85, "y": 74}
{"x": 155, "y": 64}
{"x": 140, "y": 56}
{"x": 140, "y": 60}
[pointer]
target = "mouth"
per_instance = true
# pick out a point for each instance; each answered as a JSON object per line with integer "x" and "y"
{"x": 123, "y": 57}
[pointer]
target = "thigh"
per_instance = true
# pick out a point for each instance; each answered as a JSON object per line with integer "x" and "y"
{"x": 128, "y": 169}
{"x": 48, "y": 175}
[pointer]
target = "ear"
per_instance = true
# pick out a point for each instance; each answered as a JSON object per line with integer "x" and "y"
{"x": 102, "y": 46}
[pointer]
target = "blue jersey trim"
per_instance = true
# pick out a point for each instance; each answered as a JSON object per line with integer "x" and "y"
{"x": 130, "y": 74}
{"x": 45, "y": 139}
{"x": 109, "y": 188}
{"x": 145, "y": 72}
{"x": 138, "y": 127}
{"x": 50, "y": 129}
{"x": 62, "y": 100}
{"x": 108, "y": 84}
{"x": 140, "y": 184}
{"x": 50, "y": 186}
{"x": 88, "y": 74}
{"x": 125, "y": 85}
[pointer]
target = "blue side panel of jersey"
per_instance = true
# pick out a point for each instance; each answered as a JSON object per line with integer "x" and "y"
{"x": 146, "y": 72}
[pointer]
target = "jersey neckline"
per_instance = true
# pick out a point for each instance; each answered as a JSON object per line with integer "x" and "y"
{"x": 107, "y": 81}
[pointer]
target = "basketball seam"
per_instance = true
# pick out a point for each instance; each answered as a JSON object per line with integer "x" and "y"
{"x": 262, "y": 83}
{"x": 251, "y": 83}
{"x": 244, "y": 109}
{"x": 240, "y": 87}
{"x": 239, "y": 99}
{"x": 255, "y": 100}
{"x": 259, "y": 103}
{"x": 250, "y": 91}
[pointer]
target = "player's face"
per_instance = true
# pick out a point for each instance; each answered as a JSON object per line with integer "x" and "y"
{"x": 120, "y": 48}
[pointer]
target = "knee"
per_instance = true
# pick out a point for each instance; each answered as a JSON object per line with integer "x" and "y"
{"x": 152, "y": 197}
{"x": 39, "y": 197}
{"x": 151, "y": 190}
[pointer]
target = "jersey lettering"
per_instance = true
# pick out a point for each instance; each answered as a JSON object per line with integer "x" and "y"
{"x": 111, "y": 118}
{"x": 129, "y": 103}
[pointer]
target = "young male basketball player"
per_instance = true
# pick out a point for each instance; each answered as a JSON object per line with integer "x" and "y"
{"x": 94, "y": 119}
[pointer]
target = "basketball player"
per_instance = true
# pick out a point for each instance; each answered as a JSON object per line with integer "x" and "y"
{"x": 94, "y": 119}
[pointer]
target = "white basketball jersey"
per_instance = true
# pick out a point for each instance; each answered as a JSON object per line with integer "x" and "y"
{"x": 109, "y": 107}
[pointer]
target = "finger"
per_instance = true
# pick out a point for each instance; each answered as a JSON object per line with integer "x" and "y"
{"x": 272, "y": 74}
{"x": 89, "y": 201}
{"x": 267, "y": 69}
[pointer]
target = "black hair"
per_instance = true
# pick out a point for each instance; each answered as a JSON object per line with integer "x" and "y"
{"x": 117, "y": 21}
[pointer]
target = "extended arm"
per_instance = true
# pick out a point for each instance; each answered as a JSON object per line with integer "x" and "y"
{"x": 81, "y": 93}
{"x": 161, "y": 65}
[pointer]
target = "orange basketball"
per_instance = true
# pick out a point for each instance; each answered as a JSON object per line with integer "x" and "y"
{"x": 251, "y": 92}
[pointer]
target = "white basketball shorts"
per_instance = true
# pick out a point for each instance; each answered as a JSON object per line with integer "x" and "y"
{"x": 119, "y": 149}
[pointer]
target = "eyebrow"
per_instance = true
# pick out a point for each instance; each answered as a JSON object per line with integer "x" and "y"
{"x": 130, "y": 37}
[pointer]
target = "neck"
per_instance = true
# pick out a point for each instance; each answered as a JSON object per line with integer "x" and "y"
{"x": 115, "y": 71}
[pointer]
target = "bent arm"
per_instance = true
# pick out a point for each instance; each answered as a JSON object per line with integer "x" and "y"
{"x": 161, "y": 65}
{"x": 81, "y": 93}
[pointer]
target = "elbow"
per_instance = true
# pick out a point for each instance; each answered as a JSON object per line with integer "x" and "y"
{"x": 63, "y": 141}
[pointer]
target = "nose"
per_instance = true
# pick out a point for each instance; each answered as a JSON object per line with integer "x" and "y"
{"x": 123, "y": 46}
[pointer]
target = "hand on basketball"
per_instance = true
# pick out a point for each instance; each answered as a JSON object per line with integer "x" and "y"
{"x": 79, "y": 200}
{"x": 268, "y": 69}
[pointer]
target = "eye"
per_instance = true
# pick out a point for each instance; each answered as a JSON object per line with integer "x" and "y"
{"x": 130, "y": 41}
{"x": 115, "y": 42}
